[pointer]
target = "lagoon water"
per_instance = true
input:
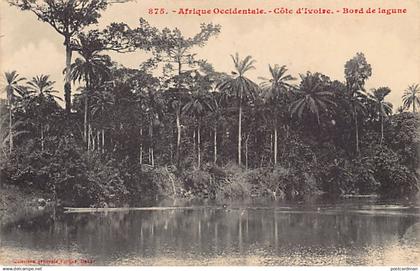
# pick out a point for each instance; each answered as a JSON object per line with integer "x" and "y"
{"x": 350, "y": 232}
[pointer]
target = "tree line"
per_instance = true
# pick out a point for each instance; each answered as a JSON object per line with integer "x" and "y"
{"x": 195, "y": 118}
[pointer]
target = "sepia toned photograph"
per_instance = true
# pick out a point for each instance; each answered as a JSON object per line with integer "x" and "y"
{"x": 209, "y": 133}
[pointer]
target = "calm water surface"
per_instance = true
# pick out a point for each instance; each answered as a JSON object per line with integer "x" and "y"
{"x": 351, "y": 232}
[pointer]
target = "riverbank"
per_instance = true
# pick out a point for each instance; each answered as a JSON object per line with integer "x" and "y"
{"x": 16, "y": 202}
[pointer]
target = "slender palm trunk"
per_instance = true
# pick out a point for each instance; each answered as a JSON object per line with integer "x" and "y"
{"x": 171, "y": 153}
{"x": 240, "y": 131}
{"x": 67, "y": 84}
{"x": 10, "y": 128}
{"x": 271, "y": 148}
{"x": 215, "y": 145}
{"x": 89, "y": 140}
{"x": 97, "y": 140}
{"x": 178, "y": 136}
{"x": 275, "y": 144}
{"x": 194, "y": 147}
{"x": 198, "y": 147}
{"x": 382, "y": 130}
{"x": 93, "y": 140}
{"x": 141, "y": 147}
{"x": 103, "y": 140}
{"x": 357, "y": 131}
{"x": 42, "y": 137}
{"x": 151, "y": 151}
{"x": 152, "y": 155}
{"x": 414, "y": 105}
{"x": 178, "y": 119}
{"x": 85, "y": 125}
{"x": 246, "y": 151}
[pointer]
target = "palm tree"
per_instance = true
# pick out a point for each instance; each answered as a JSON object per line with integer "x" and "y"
{"x": 101, "y": 102}
{"x": 152, "y": 107}
{"x": 411, "y": 97}
{"x": 197, "y": 106}
{"x": 312, "y": 96}
{"x": 216, "y": 115}
{"x": 42, "y": 92}
{"x": 43, "y": 87}
{"x": 357, "y": 70}
{"x": 274, "y": 92}
{"x": 357, "y": 101}
{"x": 5, "y": 134}
{"x": 91, "y": 68}
{"x": 12, "y": 88}
{"x": 241, "y": 87}
{"x": 383, "y": 108}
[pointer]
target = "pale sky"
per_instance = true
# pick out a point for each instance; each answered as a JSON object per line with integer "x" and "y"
{"x": 317, "y": 43}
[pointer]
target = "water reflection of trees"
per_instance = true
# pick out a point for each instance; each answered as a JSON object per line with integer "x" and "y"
{"x": 205, "y": 232}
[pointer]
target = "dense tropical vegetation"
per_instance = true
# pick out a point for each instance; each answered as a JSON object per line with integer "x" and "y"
{"x": 192, "y": 131}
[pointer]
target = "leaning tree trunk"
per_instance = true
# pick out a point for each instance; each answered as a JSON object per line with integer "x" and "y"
{"x": 67, "y": 82}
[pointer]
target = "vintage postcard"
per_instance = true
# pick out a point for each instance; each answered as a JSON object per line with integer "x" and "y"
{"x": 209, "y": 133}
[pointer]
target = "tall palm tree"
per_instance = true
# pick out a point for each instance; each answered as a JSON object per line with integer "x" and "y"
{"x": 42, "y": 92}
{"x": 312, "y": 96}
{"x": 101, "y": 102}
{"x": 92, "y": 68}
{"x": 197, "y": 106}
{"x": 275, "y": 89}
{"x": 5, "y": 135}
{"x": 242, "y": 87}
{"x": 411, "y": 97}
{"x": 357, "y": 70}
{"x": 13, "y": 87}
{"x": 356, "y": 99}
{"x": 384, "y": 109}
{"x": 216, "y": 115}
{"x": 152, "y": 107}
